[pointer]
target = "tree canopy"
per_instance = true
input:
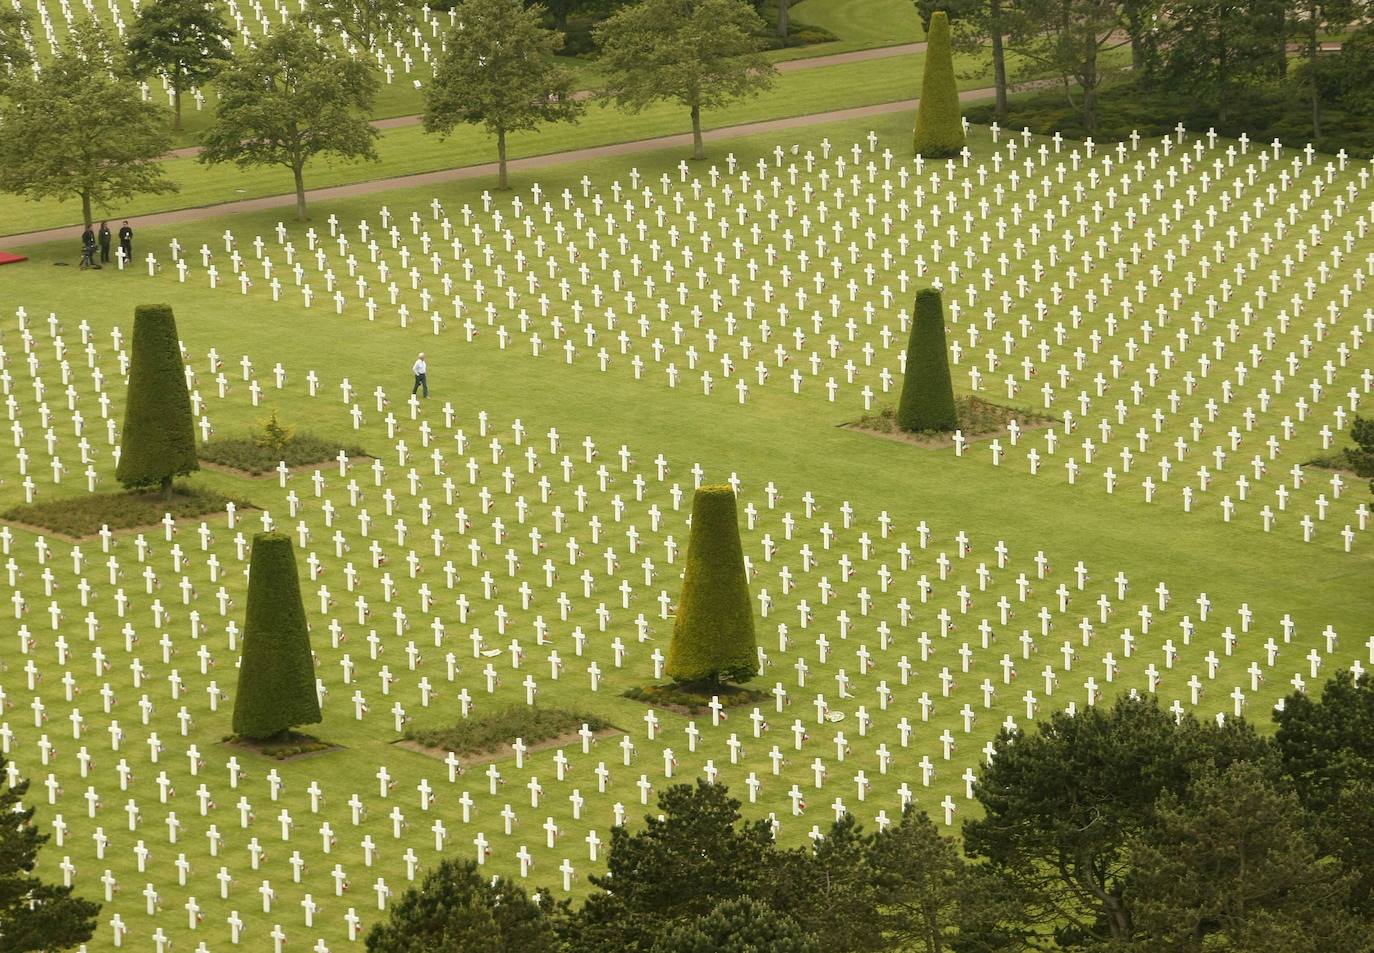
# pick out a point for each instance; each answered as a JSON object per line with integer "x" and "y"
{"x": 700, "y": 54}
{"x": 185, "y": 41}
{"x": 499, "y": 73}
{"x": 79, "y": 130}
{"x": 34, "y": 915}
{"x": 292, "y": 98}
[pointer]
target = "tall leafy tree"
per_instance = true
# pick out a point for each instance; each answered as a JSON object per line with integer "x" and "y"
{"x": 698, "y": 853}
{"x": 1068, "y": 40}
{"x": 1217, "y": 49}
{"x": 77, "y": 131}
{"x": 34, "y": 916}
{"x": 289, "y": 100}
{"x": 14, "y": 49}
{"x": 1061, "y": 806}
{"x": 499, "y": 73}
{"x": 185, "y": 41}
{"x": 701, "y": 54}
{"x": 1309, "y": 18}
{"x": 1327, "y": 747}
{"x": 457, "y": 907}
{"x": 977, "y": 24}
{"x": 365, "y": 23}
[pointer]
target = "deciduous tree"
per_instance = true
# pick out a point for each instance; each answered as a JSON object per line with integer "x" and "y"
{"x": 77, "y": 131}
{"x": 699, "y": 53}
{"x": 365, "y": 23}
{"x": 499, "y": 73}
{"x": 292, "y": 98}
{"x": 185, "y": 41}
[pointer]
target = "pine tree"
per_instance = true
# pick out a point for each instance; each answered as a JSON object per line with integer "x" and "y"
{"x": 277, "y": 676}
{"x": 713, "y": 635}
{"x": 159, "y": 437}
{"x": 927, "y": 393}
{"x": 34, "y": 916}
{"x": 939, "y": 126}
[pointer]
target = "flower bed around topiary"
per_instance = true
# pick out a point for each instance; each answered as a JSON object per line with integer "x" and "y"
{"x": 496, "y": 730}
{"x": 694, "y": 698}
{"x": 249, "y": 455}
{"x": 976, "y": 417}
{"x": 81, "y": 516}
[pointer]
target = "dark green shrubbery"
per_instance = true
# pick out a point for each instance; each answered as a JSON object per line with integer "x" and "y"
{"x": 713, "y": 634}
{"x": 159, "y": 438}
{"x": 927, "y": 393}
{"x": 276, "y": 688}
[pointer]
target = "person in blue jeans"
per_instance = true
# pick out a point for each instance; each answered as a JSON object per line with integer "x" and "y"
{"x": 421, "y": 378}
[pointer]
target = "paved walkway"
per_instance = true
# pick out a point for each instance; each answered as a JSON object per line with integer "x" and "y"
{"x": 786, "y": 66}
{"x": 441, "y": 176}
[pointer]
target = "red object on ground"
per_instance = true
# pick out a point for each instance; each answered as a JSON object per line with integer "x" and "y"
{"x": 7, "y": 259}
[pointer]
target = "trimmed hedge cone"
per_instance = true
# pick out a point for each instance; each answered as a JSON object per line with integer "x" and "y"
{"x": 713, "y": 634}
{"x": 276, "y": 688}
{"x": 158, "y": 441}
{"x": 939, "y": 122}
{"x": 927, "y": 393}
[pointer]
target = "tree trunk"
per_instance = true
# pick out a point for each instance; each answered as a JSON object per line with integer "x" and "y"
{"x": 298, "y": 171}
{"x": 1312, "y": 65}
{"x": 1089, "y": 83}
{"x": 86, "y": 208}
{"x": 698, "y": 148}
{"x": 501, "y": 160}
{"x": 176, "y": 109}
{"x": 166, "y": 488}
{"x": 999, "y": 59}
{"x": 783, "y": 25}
{"x": 1137, "y": 40}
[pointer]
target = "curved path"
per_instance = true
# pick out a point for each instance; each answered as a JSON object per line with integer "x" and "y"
{"x": 529, "y": 163}
{"x": 786, "y": 66}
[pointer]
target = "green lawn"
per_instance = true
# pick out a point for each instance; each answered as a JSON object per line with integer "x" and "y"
{"x": 791, "y": 441}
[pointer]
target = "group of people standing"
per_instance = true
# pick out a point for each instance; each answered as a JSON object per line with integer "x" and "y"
{"x": 91, "y": 241}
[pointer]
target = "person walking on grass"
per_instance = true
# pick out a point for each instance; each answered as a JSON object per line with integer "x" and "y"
{"x": 126, "y": 241}
{"x": 421, "y": 376}
{"x": 104, "y": 236}
{"x": 88, "y": 248}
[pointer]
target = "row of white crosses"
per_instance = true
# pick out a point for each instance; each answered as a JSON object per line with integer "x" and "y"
{"x": 401, "y": 54}
{"x": 136, "y": 605}
{"x": 1112, "y": 447}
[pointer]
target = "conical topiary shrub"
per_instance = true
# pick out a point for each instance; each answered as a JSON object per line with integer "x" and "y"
{"x": 277, "y": 675}
{"x": 159, "y": 437}
{"x": 939, "y": 126}
{"x": 713, "y": 635}
{"x": 927, "y": 392}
